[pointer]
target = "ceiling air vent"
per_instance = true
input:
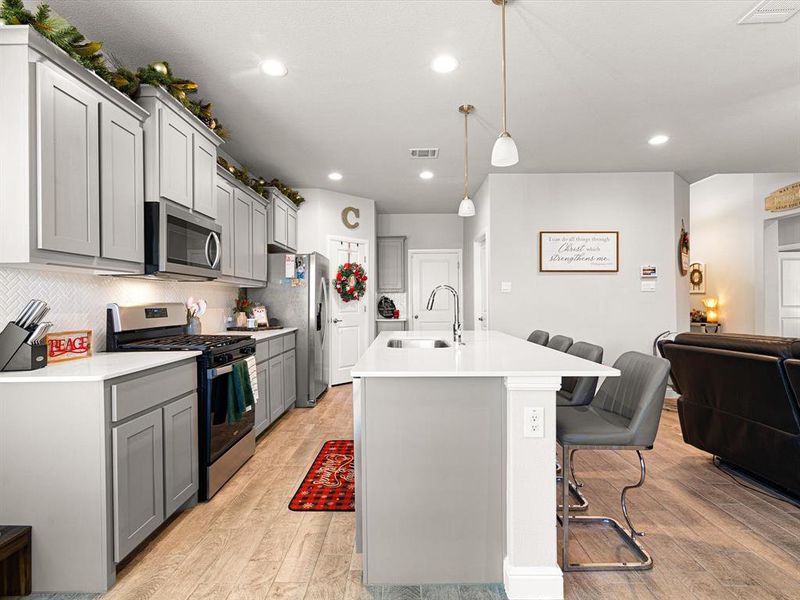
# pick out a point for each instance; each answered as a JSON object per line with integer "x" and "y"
{"x": 771, "y": 11}
{"x": 424, "y": 152}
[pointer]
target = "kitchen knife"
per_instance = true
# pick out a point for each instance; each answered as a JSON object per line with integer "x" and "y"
{"x": 22, "y": 313}
{"x": 39, "y": 333}
{"x": 25, "y": 320}
{"x": 38, "y": 313}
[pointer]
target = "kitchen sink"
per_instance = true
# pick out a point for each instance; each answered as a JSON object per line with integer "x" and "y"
{"x": 417, "y": 343}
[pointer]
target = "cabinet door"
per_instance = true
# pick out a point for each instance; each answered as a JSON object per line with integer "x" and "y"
{"x": 243, "y": 241}
{"x": 138, "y": 487}
{"x": 262, "y": 406}
{"x": 259, "y": 241}
{"x": 291, "y": 229}
{"x": 279, "y": 222}
{"x": 205, "y": 176}
{"x": 391, "y": 264}
{"x": 69, "y": 167}
{"x": 175, "y": 152}
{"x": 121, "y": 185}
{"x": 181, "y": 475}
{"x": 275, "y": 374}
{"x": 225, "y": 220}
{"x": 289, "y": 380}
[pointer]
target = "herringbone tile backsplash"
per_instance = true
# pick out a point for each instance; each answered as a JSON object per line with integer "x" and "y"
{"x": 78, "y": 301}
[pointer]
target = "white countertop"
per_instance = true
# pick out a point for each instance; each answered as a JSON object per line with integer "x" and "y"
{"x": 259, "y": 336}
{"x": 390, "y": 319}
{"x": 484, "y": 354}
{"x": 100, "y": 367}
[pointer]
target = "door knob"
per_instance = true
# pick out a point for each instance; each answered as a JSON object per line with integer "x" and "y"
{"x": 480, "y": 319}
{"x": 416, "y": 316}
{"x": 337, "y": 320}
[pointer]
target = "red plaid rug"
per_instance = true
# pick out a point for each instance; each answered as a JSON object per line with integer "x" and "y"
{"x": 330, "y": 483}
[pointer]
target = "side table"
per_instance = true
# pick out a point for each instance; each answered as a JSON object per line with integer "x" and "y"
{"x": 15, "y": 560}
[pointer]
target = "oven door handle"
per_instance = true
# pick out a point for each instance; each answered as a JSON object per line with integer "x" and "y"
{"x": 214, "y": 373}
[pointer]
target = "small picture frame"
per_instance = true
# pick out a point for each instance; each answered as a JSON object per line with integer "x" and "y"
{"x": 260, "y": 315}
{"x": 69, "y": 345}
{"x": 648, "y": 272}
{"x": 579, "y": 251}
{"x": 697, "y": 278}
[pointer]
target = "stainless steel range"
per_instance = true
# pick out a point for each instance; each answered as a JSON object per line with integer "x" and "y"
{"x": 224, "y": 446}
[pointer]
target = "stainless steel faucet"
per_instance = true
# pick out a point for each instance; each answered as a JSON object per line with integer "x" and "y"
{"x": 457, "y": 328}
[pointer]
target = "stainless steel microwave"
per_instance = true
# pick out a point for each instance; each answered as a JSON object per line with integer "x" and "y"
{"x": 180, "y": 244}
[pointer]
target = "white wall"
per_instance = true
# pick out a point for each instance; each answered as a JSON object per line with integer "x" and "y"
{"x": 737, "y": 239}
{"x": 424, "y": 231}
{"x": 474, "y": 228}
{"x": 78, "y": 301}
{"x": 605, "y": 308}
{"x": 321, "y": 216}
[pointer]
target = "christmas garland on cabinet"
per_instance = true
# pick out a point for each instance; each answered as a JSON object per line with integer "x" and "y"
{"x": 259, "y": 185}
{"x": 88, "y": 53}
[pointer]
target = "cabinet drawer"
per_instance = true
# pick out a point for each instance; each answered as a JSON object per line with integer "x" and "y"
{"x": 262, "y": 351}
{"x": 275, "y": 347}
{"x": 138, "y": 394}
{"x": 288, "y": 342}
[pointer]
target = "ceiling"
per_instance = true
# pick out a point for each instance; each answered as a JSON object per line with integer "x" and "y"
{"x": 589, "y": 83}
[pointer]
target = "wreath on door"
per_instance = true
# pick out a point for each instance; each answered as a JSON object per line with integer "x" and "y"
{"x": 351, "y": 281}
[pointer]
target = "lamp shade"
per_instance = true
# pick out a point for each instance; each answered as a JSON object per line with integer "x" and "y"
{"x": 466, "y": 208}
{"x": 504, "y": 153}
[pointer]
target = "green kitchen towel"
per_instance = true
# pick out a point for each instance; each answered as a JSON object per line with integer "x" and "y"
{"x": 240, "y": 392}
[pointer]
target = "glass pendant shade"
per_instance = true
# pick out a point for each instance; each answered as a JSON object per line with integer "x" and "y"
{"x": 466, "y": 208}
{"x": 504, "y": 153}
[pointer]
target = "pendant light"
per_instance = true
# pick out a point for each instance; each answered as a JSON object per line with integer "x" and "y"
{"x": 504, "y": 153}
{"x": 467, "y": 207}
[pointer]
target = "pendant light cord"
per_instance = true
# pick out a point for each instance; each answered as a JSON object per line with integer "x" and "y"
{"x": 466, "y": 156}
{"x": 503, "y": 64}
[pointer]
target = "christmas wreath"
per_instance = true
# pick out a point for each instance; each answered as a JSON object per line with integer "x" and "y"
{"x": 351, "y": 281}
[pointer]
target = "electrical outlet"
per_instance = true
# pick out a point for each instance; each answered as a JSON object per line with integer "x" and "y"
{"x": 533, "y": 422}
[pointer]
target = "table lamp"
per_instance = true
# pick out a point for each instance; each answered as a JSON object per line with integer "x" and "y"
{"x": 711, "y": 310}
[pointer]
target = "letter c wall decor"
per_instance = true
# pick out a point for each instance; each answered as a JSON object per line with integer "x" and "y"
{"x": 346, "y": 217}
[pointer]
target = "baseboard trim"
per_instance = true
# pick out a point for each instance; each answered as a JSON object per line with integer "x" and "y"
{"x": 533, "y": 583}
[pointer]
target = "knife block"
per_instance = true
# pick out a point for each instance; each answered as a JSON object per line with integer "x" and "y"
{"x": 16, "y": 355}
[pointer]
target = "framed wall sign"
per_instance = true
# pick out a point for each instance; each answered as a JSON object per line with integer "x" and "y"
{"x": 579, "y": 251}
{"x": 68, "y": 345}
{"x": 697, "y": 278}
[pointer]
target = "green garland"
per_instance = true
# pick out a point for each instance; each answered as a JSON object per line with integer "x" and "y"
{"x": 259, "y": 185}
{"x": 88, "y": 53}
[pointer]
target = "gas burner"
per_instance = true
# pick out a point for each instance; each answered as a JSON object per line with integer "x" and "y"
{"x": 183, "y": 342}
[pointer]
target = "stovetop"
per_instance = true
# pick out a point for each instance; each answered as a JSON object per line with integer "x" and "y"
{"x": 203, "y": 343}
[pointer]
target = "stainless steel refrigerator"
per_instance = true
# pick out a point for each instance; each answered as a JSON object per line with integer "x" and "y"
{"x": 297, "y": 295}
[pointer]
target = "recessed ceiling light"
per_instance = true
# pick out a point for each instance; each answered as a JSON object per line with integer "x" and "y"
{"x": 335, "y": 176}
{"x": 659, "y": 139}
{"x": 426, "y": 175}
{"x": 444, "y": 63}
{"x": 273, "y": 68}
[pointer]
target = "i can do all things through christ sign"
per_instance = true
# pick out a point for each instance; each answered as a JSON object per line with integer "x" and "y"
{"x": 579, "y": 251}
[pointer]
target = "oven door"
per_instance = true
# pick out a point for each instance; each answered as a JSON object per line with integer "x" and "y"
{"x": 221, "y": 434}
{"x": 187, "y": 244}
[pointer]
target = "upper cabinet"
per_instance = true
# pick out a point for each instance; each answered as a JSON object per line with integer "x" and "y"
{"x": 391, "y": 263}
{"x": 283, "y": 223}
{"x": 180, "y": 154}
{"x": 71, "y": 193}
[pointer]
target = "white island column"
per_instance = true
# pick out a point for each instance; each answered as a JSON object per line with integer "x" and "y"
{"x": 530, "y": 566}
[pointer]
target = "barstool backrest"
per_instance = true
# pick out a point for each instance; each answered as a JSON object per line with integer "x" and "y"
{"x": 539, "y": 337}
{"x": 581, "y": 389}
{"x": 561, "y": 343}
{"x": 637, "y": 395}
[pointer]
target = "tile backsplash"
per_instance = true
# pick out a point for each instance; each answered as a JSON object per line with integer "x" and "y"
{"x": 78, "y": 301}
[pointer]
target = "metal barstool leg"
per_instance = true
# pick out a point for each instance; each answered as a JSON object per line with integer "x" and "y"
{"x": 565, "y": 518}
{"x": 574, "y": 488}
{"x": 572, "y": 468}
{"x": 640, "y": 483}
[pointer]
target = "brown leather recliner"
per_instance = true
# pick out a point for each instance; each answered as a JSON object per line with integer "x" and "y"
{"x": 739, "y": 401}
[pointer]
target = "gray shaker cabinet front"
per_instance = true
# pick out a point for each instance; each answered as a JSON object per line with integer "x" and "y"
{"x": 138, "y": 488}
{"x": 262, "y": 406}
{"x": 181, "y": 472}
{"x": 276, "y": 399}
{"x": 289, "y": 380}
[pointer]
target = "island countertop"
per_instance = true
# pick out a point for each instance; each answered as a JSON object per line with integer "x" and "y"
{"x": 483, "y": 354}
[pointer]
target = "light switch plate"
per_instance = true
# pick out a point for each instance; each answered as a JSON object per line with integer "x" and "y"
{"x": 533, "y": 422}
{"x": 505, "y": 287}
{"x": 648, "y": 286}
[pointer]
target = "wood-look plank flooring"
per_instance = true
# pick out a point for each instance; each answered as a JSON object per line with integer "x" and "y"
{"x": 710, "y": 538}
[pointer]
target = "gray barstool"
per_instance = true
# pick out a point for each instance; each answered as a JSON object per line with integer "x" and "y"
{"x": 578, "y": 391}
{"x": 561, "y": 343}
{"x": 539, "y": 337}
{"x": 624, "y": 415}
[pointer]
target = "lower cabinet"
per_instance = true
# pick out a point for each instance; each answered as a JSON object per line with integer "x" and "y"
{"x": 289, "y": 380}
{"x": 276, "y": 404}
{"x": 262, "y": 406}
{"x": 277, "y": 379}
{"x": 181, "y": 470}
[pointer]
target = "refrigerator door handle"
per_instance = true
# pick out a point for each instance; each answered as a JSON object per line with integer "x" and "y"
{"x": 323, "y": 310}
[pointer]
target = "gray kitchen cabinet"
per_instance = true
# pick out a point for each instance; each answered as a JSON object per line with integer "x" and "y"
{"x": 283, "y": 223}
{"x": 71, "y": 190}
{"x": 262, "y": 406}
{"x": 243, "y": 240}
{"x": 280, "y": 233}
{"x": 68, "y": 141}
{"x": 121, "y": 185}
{"x": 205, "y": 176}
{"x": 291, "y": 229}
{"x": 138, "y": 487}
{"x": 225, "y": 204}
{"x": 390, "y": 325}
{"x": 276, "y": 398}
{"x": 391, "y": 263}
{"x": 181, "y": 468}
{"x": 259, "y": 237}
{"x": 289, "y": 380}
{"x": 176, "y": 154}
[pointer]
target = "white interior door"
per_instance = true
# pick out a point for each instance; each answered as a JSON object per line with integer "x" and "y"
{"x": 789, "y": 297}
{"x": 481, "y": 285}
{"x": 427, "y": 269}
{"x": 349, "y": 320}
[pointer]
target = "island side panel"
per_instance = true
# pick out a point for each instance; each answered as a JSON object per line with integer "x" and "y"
{"x": 432, "y": 473}
{"x": 53, "y": 471}
{"x": 357, "y": 462}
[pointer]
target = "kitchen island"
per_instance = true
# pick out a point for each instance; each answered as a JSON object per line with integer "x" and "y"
{"x": 455, "y": 460}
